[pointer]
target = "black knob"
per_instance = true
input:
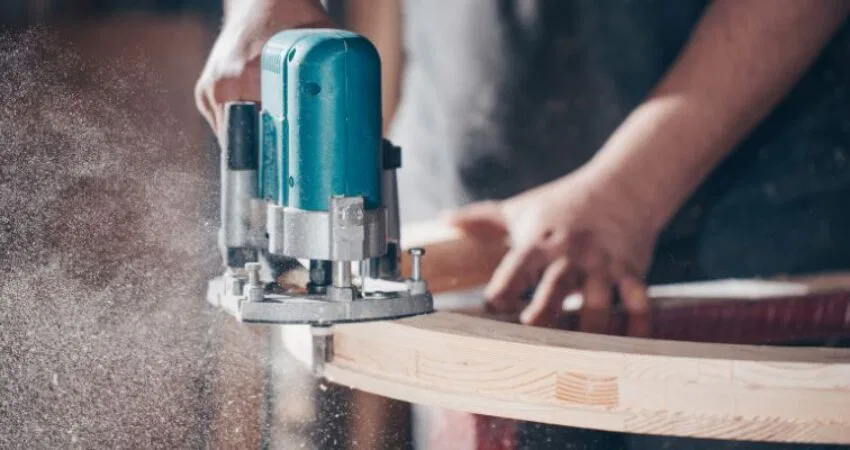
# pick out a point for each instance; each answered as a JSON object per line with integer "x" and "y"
{"x": 241, "y": 145}
{"x": 392, "y": 155}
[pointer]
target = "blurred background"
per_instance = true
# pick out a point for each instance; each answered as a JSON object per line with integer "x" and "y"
{"x": 109, "y": 193}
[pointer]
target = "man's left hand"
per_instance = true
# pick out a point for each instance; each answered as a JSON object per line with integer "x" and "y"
{"x": 581, "y": 233}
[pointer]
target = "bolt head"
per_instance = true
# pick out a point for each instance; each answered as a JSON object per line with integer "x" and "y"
{"x": 253, "y": 267}
{"x": 352, "y": 215}
{"x": 417, "y": 251}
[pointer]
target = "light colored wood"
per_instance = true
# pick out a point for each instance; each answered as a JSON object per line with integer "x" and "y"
{"x": 479, "y": 365}
{"x": 600, "y": 382}
{"x": 453, "y": 261}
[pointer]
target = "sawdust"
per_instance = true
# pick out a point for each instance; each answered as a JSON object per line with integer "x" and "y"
{"x": 107, "y": 240}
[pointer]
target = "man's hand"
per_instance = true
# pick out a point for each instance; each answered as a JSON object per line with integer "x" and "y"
{"x": 582, "y": 233}
{"x": 232, "y": 72}
{"x": 597, "y": 227}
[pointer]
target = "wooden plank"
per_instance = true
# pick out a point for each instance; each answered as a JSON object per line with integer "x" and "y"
{"x": 807, "y": 309}
{"x": 449, "y": 252}
{"x": 760, "y": 320}
{"x": 600, "y": 382}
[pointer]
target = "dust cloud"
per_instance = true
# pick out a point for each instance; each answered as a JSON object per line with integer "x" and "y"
{"x": 107, "y": 241}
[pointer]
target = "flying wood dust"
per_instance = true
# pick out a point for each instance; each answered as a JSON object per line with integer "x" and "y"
{"x": 107, "y": 240}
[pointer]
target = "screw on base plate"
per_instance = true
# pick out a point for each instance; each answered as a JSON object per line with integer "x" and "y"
{"x": 253, "y": 290}
{"x": 416, "y": 265}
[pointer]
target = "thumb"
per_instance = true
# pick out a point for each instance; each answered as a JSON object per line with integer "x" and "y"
{"x": 483, "y": 219}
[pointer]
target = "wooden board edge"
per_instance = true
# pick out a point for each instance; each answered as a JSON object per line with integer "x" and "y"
{"x": 678, "y": 425}
{"x": 746, "y": 396}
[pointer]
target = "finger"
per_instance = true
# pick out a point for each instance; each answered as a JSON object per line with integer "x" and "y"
{"x": 596, "y": 310}
{"x": 518, "y": 271}
{"x": 221, "y": 92}
{"x": 639, "y": 325}
{"x": 218, "y": 116}
{"x": 547, "y": 304}
{"x": 208, "y": 109}
{"x": 483, "y": 219}
{"x": 633, "y": 295}
{"x": 204, "y": 106}
{"x": 244, "y": 88}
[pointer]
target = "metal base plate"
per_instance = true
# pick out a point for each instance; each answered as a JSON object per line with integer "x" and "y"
{"x": 280, "y": 309}
{"x": 284, "y": 309}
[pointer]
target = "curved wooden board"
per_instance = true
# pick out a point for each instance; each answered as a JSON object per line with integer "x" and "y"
{"x": 721, "y": 385}
{"x": 602, "y": 382}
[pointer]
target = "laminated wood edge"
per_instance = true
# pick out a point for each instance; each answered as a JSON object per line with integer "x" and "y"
{"x": 611, "y": 383}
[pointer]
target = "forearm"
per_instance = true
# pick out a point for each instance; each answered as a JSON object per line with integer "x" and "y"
{"x": 742, "y": 58}
{"x": 380, "y": 22}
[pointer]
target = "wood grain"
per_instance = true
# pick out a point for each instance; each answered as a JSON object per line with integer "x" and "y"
{"x": 737, "y": 311}
{"x": 478, "y": 365}
{"x": 809, "y": 310}
{"x": 600, "y": 382}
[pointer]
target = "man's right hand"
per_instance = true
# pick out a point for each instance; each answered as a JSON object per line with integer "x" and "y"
{"x": 232, "y": 72}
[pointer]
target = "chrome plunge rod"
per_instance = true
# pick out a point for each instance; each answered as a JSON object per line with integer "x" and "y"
{"x": 342, "y": 274}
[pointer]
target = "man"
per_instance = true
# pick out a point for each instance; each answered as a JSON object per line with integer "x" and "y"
{"x": 617, "y": 143}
